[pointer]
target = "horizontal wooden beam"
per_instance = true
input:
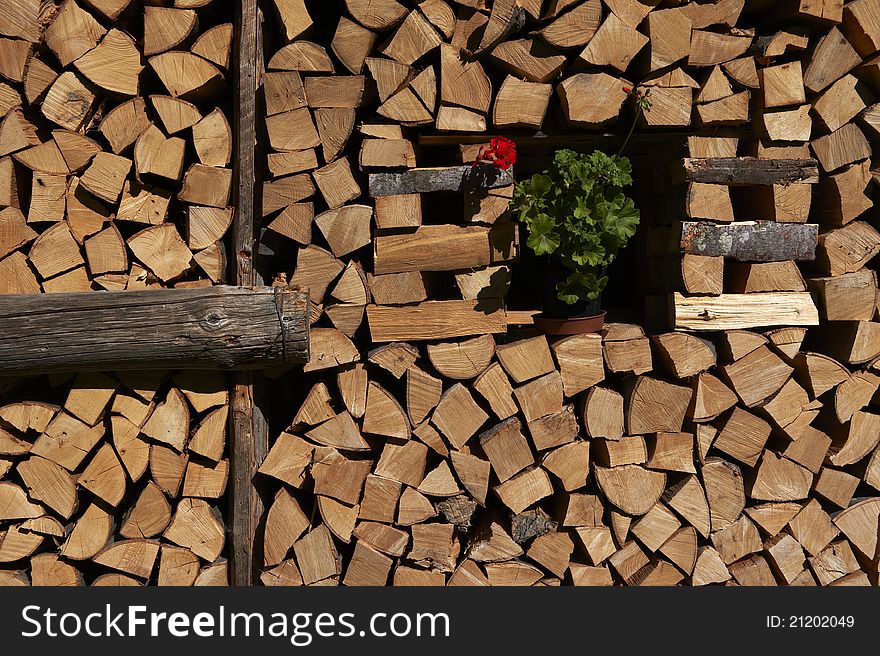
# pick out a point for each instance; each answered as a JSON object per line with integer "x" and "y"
{"x": 454, "y": 178}
{"x": 200, "y": 328}
{"x": 742, "y": 311}
{"x": 751, "y": 241}
{"x": 547, "y": 139}
{"x": 436, "y": 320}
{"x": 735, "y": 171}
{"x": 444, "y": 248}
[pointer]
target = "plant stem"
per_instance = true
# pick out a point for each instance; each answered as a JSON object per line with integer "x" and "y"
{"x": 631, "y": 130}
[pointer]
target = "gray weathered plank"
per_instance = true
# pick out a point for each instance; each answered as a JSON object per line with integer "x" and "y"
{"x": 736, "y": 171}
{"x": 761, "y": 241}
{"x": 200, "y": 328}
{"x": 248, "y": 427}
{"x": 454, "y": 178}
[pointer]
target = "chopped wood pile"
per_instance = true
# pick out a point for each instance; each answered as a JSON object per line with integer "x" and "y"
{"x": 120, "y": 480}
{"x": 349, "y": 91}
{"x": 589, "y": 460}
{"x": 115, "y": 144}
{"x": 434, "y": 438}
{"x": 431, "y": 441}
{"x": 115, "y": 174}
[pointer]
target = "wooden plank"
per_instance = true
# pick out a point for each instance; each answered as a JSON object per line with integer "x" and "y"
{"x": 436, "y": 320}
{"x": 751, "y": 241}
{"x": 444, "y": 248}
{"x": 248, "y": 428}
{"x": 736, "y": 171}
{"x": 552, "y": 139}
{"x": 424, "y": 180}
{"x": 198, "y": 328}
{"x": 742, "y": 311}
{"x": 521, "y": 317}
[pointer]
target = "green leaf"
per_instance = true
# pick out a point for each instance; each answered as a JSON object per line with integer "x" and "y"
{"x": 580, "y": 285}
{"x": 627, "y": 220}
{"x": 543, "y": 244}
{"x": 543, "y": 238}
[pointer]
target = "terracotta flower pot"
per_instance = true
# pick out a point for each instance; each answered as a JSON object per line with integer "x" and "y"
{"x": 570, "y": 326}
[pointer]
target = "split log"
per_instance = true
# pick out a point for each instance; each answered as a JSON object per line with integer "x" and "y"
{"x": 848, "y": 297}
{"x": 832, "y": 58}
{"x": 591, "y": 100}
{"x": 462, "y": 360}
{"x": 842, "y": 147}
{"x": 530, "y": 59}
{"x": 443, "y": 248}
{"x": 847, "y": 249}
{"x": 747, "y": 278}
{"x": 743, "y": 311}
{"x": 435, "y": 320}
{"x": 655, "y": 406}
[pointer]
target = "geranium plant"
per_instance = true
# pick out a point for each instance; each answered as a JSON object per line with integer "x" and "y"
{"x": 577, "y": 212}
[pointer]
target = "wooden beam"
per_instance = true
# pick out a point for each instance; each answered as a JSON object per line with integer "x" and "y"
{"x": 436, "y": 320}
{"x": 747, "y": 241}
{"x": 736, "y": 171}
{"x": 742, "y": 311}
{"x": 455, "y": 178}
{"x": 248, "y": 427}
{"x": 548, "y": 139}
{"x": 199, "y": 328}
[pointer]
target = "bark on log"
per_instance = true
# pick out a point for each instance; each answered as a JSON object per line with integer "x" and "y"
{"x": 455, "y": 178}
{"x": 200, "y": 328}
{"x": 762, "y": 241}
{"x": 737, "y": 171}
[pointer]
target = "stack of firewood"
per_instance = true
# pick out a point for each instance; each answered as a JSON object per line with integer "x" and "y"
{"x": 355, "y": 87}
{"x": 118, "y": 483}
{"x": 433, "y": 443}
{"x": 115, "y": 173}
{"x": 588, "y": 460}
{"x": 115, "y": 152}
{"x": 730, "y": 274}
{"x": 431, "y": 440}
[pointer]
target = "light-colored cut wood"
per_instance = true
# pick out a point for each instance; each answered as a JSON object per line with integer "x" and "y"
{"x": 631, "y": 488}
{"x": 736, "y": 312}
{"x": 434, "y": 320}
{"x": 724, "y": 492}
{"x": 590, "y": 100}
{"x": 104, "y": 476}
{"x": 654, "y": 405}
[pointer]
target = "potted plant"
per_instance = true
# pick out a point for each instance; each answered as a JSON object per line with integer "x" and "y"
{"x": 578, "y": 217}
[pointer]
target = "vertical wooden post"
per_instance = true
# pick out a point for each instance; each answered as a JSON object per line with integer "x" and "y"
{"x": 249, "y": 436}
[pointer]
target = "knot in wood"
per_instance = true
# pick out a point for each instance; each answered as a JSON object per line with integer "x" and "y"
{"x": 214, "y": 320}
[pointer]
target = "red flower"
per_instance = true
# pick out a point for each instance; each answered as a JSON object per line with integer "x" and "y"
{"x": 501, "y": 153}
{"x": 626, "y": 89}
